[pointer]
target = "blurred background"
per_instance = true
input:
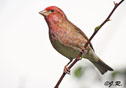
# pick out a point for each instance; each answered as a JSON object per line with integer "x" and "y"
{"x": 28, "y": 60}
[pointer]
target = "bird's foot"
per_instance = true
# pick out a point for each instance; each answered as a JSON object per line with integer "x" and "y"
{"x": 84, "y": 50}
{"x": 66, "y": 70}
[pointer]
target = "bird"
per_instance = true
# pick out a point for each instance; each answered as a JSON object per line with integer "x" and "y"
{"x": 69, "y": 40}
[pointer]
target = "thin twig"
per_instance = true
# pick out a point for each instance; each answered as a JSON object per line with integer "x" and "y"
{"x": 96, "y": 30}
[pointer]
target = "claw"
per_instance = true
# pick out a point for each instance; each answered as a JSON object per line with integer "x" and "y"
{"x": 66, "y": 70}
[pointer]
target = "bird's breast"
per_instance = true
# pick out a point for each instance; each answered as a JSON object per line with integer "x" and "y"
{"x": 66, "y": 51}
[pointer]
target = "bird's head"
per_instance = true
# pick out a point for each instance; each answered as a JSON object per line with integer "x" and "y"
{"x": 53, "y": 14}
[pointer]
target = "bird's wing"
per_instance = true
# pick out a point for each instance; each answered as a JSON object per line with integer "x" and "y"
{"x": 82, "y": 33}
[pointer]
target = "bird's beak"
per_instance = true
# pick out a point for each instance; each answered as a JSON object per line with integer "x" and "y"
{"x": 44, "y": 12}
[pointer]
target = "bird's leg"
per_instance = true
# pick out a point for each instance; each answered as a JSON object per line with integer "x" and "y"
{"x": 83, "y": 50}
{"x": 66, "y": 69}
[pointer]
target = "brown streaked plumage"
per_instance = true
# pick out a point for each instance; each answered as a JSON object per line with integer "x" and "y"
{"x": 68, "y": 39}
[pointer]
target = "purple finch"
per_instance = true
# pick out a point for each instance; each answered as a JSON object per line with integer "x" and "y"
{"x": 68, "y": 39}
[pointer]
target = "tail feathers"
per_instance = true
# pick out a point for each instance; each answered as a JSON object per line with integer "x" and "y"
{"x": 102, "y": 67}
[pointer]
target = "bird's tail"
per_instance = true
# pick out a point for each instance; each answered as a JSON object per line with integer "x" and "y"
{"x": 101, "y": 66}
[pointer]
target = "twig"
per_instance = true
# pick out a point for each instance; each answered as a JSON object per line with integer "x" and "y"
{"x": 96, "y": 30}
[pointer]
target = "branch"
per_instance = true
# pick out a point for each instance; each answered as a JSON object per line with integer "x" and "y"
{"x": 96, "y": 30}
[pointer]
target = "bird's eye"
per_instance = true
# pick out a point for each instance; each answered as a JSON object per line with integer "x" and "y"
{"x": 52, "y": 10}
